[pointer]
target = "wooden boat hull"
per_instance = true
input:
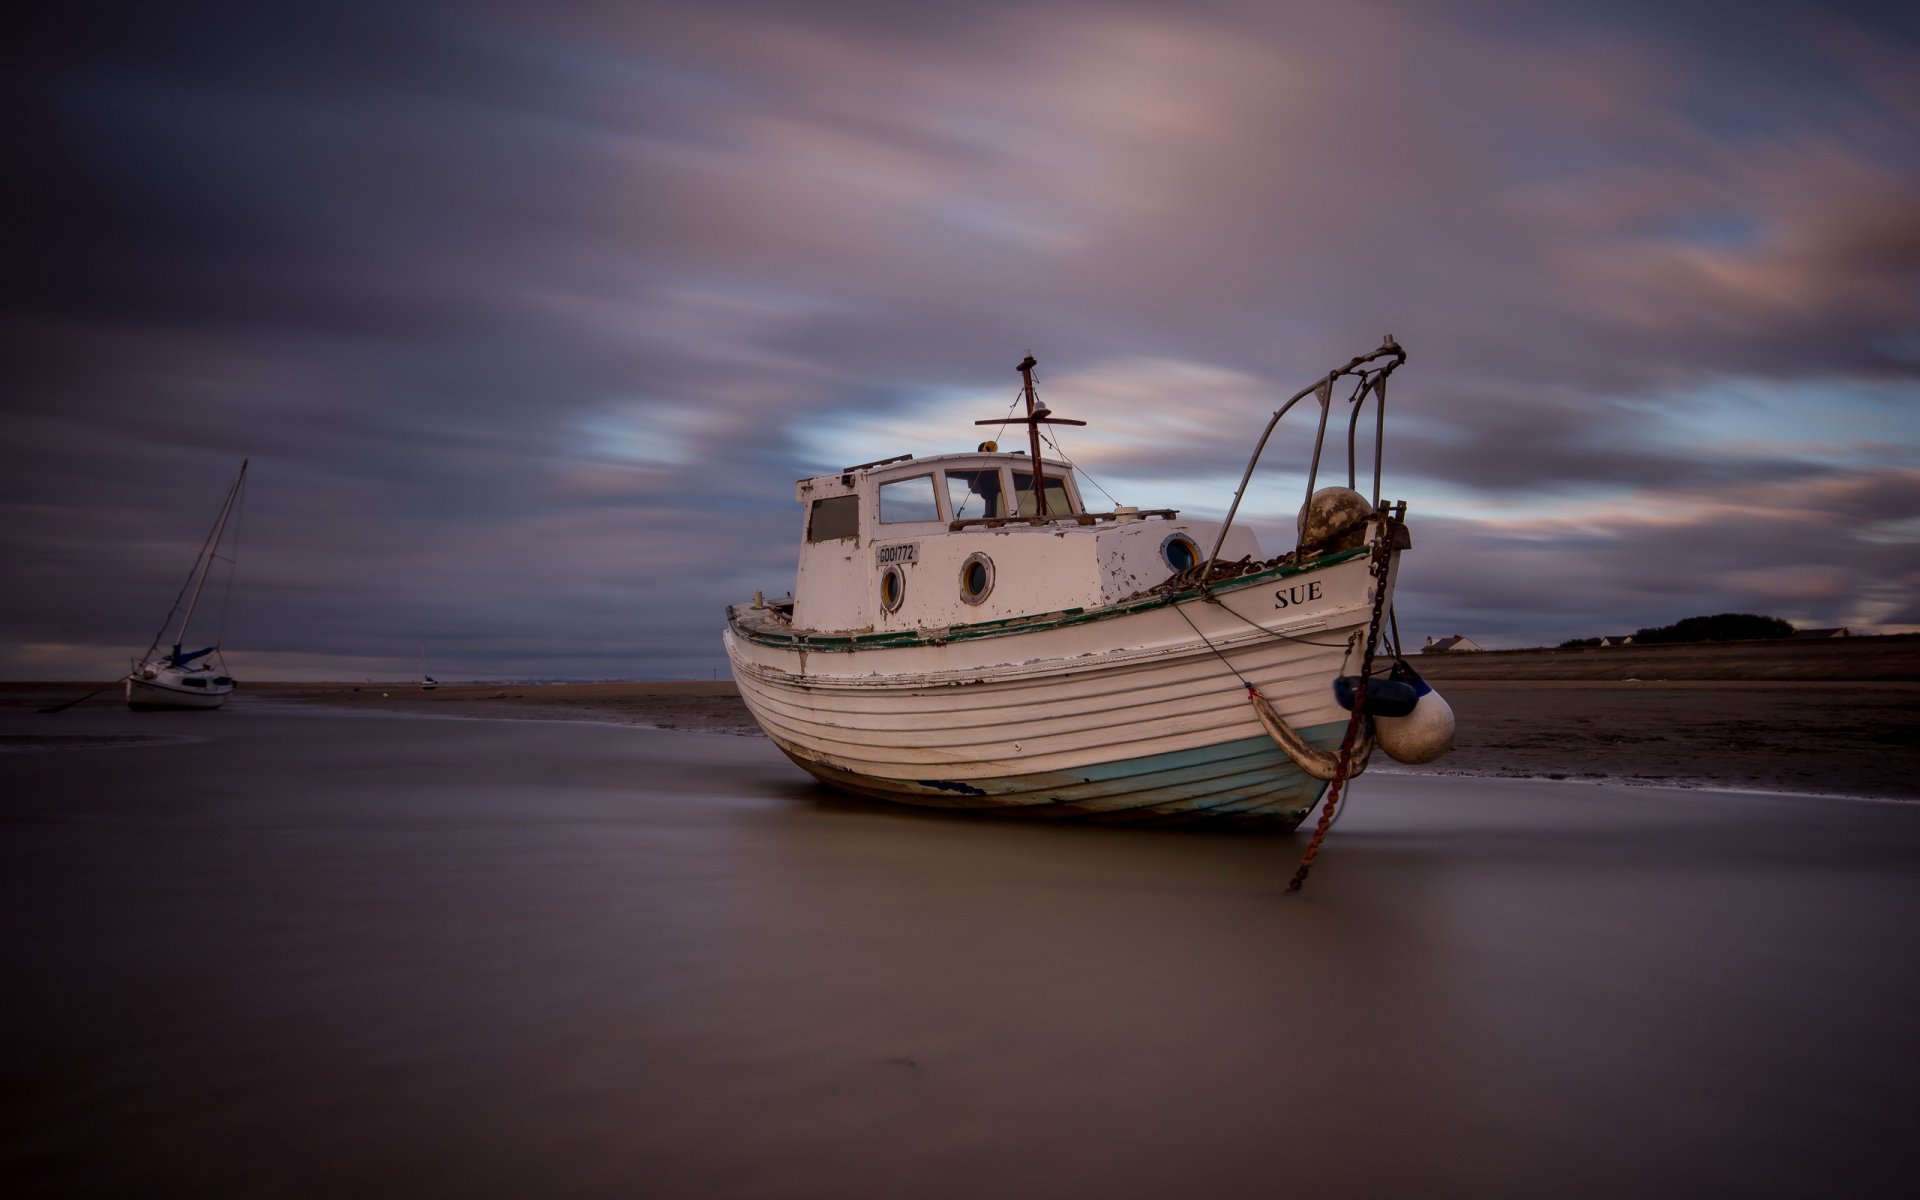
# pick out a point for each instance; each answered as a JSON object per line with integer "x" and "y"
{"x": 1247, "y": 784}
{"x": 1133, "y": 714}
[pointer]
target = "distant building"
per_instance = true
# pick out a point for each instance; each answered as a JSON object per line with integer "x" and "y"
{"x": 1625, "y": 639}
{"x": 1822, "y": 633}
{"x": 1454, "y": 644}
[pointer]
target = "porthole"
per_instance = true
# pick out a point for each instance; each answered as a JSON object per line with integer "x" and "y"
{"x": 976, "y": 578}
{"x": 1179, "y": 552}
{"x": 893, "y": 588}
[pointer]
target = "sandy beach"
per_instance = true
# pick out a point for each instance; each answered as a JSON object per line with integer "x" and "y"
{"x": 1830, "y": 737}
{"x": 329, "y": 943}
{"x": 1839, "y": 717}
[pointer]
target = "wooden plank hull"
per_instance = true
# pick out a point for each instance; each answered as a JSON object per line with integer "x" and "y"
{"x": 1135, "y": 715}
{"x": 1246, "y": 784}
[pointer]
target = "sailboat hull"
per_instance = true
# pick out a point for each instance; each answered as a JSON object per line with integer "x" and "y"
{"x": 176, "y": 689}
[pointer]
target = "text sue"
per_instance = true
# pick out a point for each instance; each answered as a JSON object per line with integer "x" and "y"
{"x": 1297, "y": 594}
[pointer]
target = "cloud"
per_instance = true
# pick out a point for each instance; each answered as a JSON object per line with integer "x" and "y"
{"x": 1814, "y": 553}
{"x": 529, "y": 316}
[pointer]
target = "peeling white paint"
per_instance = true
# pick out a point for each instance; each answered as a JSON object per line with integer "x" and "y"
{"x": 1035, "y": 568}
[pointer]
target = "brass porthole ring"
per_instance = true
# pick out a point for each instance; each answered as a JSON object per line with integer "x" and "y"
{"x": 1179, "y": 552}
{"x": 976, "y": 578}
{"x": 893, "y": 588}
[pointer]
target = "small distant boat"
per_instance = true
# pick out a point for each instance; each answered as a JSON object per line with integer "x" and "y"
{"x": 964, "y": 633}
{"x": 181, "y": 678}
{"x": 427, "y": 682}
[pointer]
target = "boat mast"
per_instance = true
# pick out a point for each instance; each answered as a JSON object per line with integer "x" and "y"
{"x": 1026, "y": 367}
{"x": 208, "y": 552}
{"x": 1038, "y": 414}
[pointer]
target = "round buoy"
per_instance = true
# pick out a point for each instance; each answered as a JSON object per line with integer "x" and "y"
{"x": 1334, "y": 519}
{"x": 1425, "y": 733}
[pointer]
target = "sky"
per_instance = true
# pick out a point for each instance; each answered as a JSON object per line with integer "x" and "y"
{"x": 527, "y": 316}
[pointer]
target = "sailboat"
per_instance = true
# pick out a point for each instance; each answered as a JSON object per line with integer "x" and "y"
{"x": 427, "y": 682}
{"x": 181, "y": 678}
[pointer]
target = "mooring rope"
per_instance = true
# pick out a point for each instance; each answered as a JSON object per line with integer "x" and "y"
{"x": 1283, "y": 735}
{"x": 1209, "y": 645}
{"x": 1273, "y": 633}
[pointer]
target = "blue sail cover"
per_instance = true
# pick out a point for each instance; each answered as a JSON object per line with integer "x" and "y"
{"x": 180, "y": 660}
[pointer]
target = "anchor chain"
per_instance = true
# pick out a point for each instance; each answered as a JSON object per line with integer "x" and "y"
{"x": 1378, "y": 567}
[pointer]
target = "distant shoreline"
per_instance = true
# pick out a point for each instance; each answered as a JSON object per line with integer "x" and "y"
{"x": 1878, "y": 658}
{"x": 1884, "y": 658}
{"x": 1838, "y": 717}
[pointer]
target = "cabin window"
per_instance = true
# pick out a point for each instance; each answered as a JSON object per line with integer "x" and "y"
{"x": 976, "y": 578}
{"x": 893, "y": 588}
{"x": 906, "y": 500}
{"x": 194, "y": 682}
{"x": 833, "y": 517}
{"x": 1057, "y": 502}
{"x": 974, "y": 494}
{"x": 1179, "y": 552}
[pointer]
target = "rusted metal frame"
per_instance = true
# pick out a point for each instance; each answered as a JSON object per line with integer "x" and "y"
{"x": 1026, "y": 367}
{"x": 1076, "y": 518}
{"x": 1377, "y": 384}
{"x": 1380, "y": 437}
{"x": 1247, "y": 475}
{"x": 1388, "y": 348}
{"x": 1033, "y": 425}
{"x": 878, "y": 462}
{"x": 1037, "y": 415}
{"x": 1353, "y": 429}
{"x": 1319, "y": 447}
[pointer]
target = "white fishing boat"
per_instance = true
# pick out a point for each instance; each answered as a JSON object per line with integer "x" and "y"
{"x": 964, "y": 632}
{"x": 180, "y": 678}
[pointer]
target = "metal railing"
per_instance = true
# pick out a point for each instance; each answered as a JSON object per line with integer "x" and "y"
{"x": 1369, "y": 375}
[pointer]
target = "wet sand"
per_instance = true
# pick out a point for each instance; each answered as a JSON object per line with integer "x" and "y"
{"x": 1849, "y": 738}
{"x": 282, "y": 950}
{"x": 710, "y": 707}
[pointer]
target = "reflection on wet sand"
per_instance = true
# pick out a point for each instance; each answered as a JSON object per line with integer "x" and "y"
{"x": 366, "y": 953}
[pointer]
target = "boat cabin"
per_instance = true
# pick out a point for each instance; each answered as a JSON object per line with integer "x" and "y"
{"x": 914, "y": 544}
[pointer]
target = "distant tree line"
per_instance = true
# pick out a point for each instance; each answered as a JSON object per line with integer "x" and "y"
{"x": 1721, "y": 627}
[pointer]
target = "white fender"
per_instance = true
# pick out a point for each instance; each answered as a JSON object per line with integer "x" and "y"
{"x": 1422, "y": 735}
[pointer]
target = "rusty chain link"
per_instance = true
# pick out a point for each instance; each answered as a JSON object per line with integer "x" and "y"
{"x": 1379, "y": 567}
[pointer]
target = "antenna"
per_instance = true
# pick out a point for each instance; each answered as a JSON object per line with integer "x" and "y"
{"x": 1038, "y": 414}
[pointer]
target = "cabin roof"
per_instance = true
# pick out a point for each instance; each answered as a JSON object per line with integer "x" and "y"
{"x": 907, "y": 465}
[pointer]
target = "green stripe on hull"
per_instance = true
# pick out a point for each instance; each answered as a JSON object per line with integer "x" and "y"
{"x": 1247, "y": 783}
{"x": 1007, "y": 626}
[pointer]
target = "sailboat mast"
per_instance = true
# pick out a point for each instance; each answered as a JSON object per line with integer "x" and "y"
{"x": 208, "y": 551}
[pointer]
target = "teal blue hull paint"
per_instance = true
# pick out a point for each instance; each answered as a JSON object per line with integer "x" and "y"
{"x": 1246, "y": 783}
